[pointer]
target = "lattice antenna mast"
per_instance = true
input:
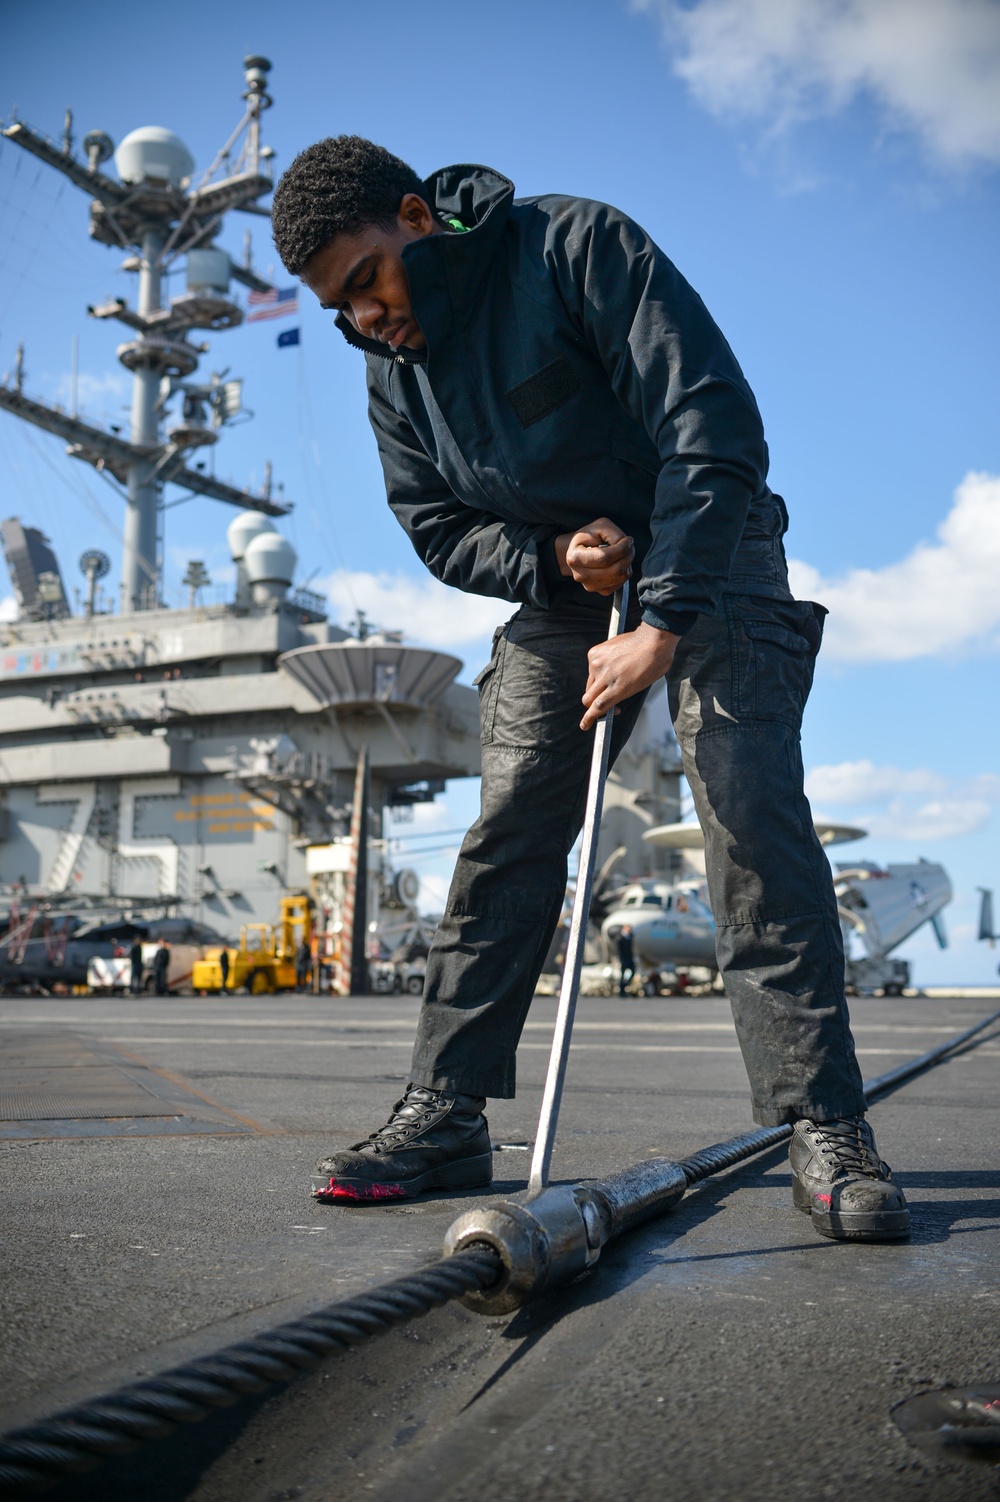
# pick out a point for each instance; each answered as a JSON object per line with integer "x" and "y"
{"x": 153, "y": 210}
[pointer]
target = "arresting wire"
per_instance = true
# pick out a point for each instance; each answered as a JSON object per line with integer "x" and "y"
{"x": 84, "y": 1437}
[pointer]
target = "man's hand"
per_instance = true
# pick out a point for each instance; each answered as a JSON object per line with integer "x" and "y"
{"x": 623, "y": 666}
{"x": 599, "y": 556}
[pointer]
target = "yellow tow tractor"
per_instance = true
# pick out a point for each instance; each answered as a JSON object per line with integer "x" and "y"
{"x": 264, "y": 962}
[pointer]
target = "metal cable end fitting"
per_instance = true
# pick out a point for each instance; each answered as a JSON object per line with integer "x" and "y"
{"x": 551, "y": 1239}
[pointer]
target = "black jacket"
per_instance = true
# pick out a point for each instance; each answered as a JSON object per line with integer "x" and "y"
{"x": 570, "y": 373}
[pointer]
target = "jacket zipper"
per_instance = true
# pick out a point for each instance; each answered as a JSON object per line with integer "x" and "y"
{"x": 370, "y": 347}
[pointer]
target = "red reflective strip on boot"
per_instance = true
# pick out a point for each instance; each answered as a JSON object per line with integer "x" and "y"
{"x": 335, "y": 1191}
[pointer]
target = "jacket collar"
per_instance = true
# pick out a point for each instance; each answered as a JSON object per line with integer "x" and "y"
{"x": 446, "y": 272}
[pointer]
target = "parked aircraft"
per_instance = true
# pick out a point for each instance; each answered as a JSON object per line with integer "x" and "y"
{"x": 672, "y": 927}
{"x": 672, "y": 931}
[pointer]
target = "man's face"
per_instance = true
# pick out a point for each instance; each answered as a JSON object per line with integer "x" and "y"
{"x": 362, "y": 276}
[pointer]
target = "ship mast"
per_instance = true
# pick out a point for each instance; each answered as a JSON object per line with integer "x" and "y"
{"x": 156, "y": 214}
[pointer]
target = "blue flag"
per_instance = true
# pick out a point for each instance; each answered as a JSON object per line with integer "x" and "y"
{"x": 287, "y": 338}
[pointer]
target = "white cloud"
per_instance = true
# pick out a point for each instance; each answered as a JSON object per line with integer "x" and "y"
{"x": 8, "y": 608}
{"x": 895, "y": 803}
{"x": 426, "y": 610}
{"x": 986, "y": 785}
{"x": 419, "y": 819}
{"x": 854, "y": 782}
{"x": 941, "y": 819}
{"x": 105, "y": 391}
{"x": 933, "y": 66}
{"x": 942, "y": 597}
{"x": 434, "y": 893}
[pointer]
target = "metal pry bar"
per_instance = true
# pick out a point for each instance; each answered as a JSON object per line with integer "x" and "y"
{"x": 570, "y": 989}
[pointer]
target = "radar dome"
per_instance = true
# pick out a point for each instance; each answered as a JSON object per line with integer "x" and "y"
{"x": 152, "y": 151}
{"x": 243, "y": 529}
{"x": 269, "y": 562}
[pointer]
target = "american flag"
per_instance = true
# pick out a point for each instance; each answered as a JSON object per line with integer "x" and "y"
{"x": 273, "y": 303}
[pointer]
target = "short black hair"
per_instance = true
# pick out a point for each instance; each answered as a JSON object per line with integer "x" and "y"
{"x": 340, "y": 184}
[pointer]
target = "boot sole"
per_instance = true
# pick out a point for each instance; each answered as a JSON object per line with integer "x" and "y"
{"x": 860, "y": 1225}
{"x": 465, "y": 1173}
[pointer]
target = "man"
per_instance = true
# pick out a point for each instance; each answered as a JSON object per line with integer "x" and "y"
{"x": 303, "y": 964}
{"x": 555, "y": 412}
{"x": 161, "y": 965}
{"x": 135, "y": 959}
{"x": 626, "y": 959}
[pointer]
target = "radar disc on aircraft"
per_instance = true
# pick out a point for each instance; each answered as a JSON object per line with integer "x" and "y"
{"x": 691, "y": 836}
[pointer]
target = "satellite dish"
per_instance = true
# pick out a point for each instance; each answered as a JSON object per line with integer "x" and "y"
{"x": 99, "y": 147}
{"x": 95, "y": 564}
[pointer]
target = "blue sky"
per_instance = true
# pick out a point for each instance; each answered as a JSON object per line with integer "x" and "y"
{"x": 825, "y": 172}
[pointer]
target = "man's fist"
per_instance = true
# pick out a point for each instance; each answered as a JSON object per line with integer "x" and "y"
{"x": 599, "y": 556}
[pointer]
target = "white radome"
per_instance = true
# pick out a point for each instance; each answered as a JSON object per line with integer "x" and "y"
{"x": 153, "y": 151}
{"x": 270, "y": 559}
{"x": 243, "y": 529}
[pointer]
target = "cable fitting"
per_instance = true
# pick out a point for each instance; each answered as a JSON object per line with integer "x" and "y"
{"x": 550, "y": 1240}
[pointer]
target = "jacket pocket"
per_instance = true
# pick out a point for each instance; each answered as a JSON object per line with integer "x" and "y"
{"x": 774, "y": 645}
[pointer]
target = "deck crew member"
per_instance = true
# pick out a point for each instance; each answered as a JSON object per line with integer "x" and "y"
{"x": 556, "y": 411}
{"x": 161, "y": 965}
{"x": 135, "y": 959}
{"x": 626, "y": 959}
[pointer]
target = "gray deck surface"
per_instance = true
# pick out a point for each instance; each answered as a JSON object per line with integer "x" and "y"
{"x": 724, "y": 1352}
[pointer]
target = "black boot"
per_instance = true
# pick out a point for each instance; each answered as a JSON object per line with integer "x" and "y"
{"x": 432, "y": 1140}
{"x": 839, "y": 1180}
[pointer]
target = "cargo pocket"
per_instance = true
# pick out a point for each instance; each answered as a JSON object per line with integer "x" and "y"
{"x": 774, "y": 656}
{"x": 488, "y": 682}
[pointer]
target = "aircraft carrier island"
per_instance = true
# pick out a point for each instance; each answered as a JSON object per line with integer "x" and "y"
{"x": 190, "y": 774}
{"x": 205, "y": 759}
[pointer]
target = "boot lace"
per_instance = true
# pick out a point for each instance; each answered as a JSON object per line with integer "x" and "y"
{"x": 848, "y": 1144}
{"x": 416, "y": 1107}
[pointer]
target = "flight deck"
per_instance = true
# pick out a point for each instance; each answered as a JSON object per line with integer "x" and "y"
{"x": 721, "y": 1351}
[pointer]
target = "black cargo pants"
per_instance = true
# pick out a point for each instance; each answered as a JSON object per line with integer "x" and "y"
{"x": 737, "y": 690}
